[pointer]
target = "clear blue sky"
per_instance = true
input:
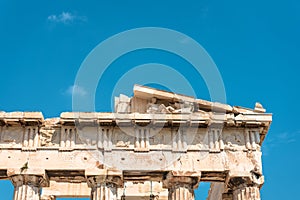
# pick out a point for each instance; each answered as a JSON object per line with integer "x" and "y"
{"x": 255, "y": 45}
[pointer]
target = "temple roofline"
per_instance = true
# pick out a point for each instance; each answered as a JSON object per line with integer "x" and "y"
{"x": 203, "y": 113}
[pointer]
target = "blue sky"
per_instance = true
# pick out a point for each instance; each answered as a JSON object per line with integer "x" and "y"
{"x": 255, "y": 45}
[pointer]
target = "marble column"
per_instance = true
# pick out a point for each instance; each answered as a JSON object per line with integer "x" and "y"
{"x": 245, "y": 188}
{"x": 246, "y": 193}
{"x": 27, "y": 187}
{"x": 104, "y": 189}
{"x": 181, "y": 192}
{"x": 180, "y": 187}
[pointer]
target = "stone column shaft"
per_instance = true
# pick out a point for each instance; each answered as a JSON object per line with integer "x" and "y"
{"x": 246, "y": 193}
{"x": 180, "y": 187}
{"x": 24, "y": 192}
{"x": 246, "y": 188}
{"x": 181, "y": 192}
{"x": 104, "y": 192}
{"x": 27, "y": 187}
{"x": 104, "y": 187}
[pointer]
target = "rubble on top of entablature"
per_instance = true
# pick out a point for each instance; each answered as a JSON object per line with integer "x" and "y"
{"x": 150, "y": 100}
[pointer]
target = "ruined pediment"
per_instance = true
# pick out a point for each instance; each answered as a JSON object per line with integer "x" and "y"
{"x": 151, "y": 100}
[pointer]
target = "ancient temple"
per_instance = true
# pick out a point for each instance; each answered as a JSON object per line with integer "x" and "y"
{"x": 155, "y": 145}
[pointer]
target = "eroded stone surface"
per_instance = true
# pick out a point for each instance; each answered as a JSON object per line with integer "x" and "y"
{"x": 151, "y": 135}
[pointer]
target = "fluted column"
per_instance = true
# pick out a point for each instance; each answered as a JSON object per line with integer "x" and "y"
{"x": 104, "y": 191}
{"x": 104, "y": 188}
{"x": 181, "y": 192}
{"x": 244, "y": 188}
{"x": 27, "y": 187}
{"x": 246, "y": 193}
{"x": 180, "y": 187}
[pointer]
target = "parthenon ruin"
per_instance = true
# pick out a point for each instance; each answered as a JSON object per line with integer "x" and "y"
{"x": 155, "y": 145}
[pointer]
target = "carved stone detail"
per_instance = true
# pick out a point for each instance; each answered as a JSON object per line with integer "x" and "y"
{"x": 179, "y": 140}
{"x": 252, "y": 139}
{"x": 142, "y": 139}
{"x": 180, "y": 187}
{"x": 27, "y": 187}
{"x": 104, "y": 137}
{"x": 31, "y": 137}
{"x": 246, "y": 193}
{"x": 104, "y": 188}
{"x": 245, "y": 188}
{"x": 67, "y": 137}
{"x": 46, "y": 136}
{"x": 122, "y": 104}
{"x": 215, "y": 139}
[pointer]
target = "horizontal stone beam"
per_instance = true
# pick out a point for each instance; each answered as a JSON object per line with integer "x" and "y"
{"x": 210, "y": 166}
{"x": 81, "y": 190}
{"x": 66, "y": 189}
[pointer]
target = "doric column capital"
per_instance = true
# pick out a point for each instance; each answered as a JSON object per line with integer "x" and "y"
{"x": 28, "y": 179}
{"x": 96, "y": 181}
{"x": 239, "y": 187}
{"x": 245, "y": 181}
{"x": 180, "y": 187}
{"x": 171, "y": 181}
{"x": 104, "y": 186}
{"x": 27, "y": 186}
